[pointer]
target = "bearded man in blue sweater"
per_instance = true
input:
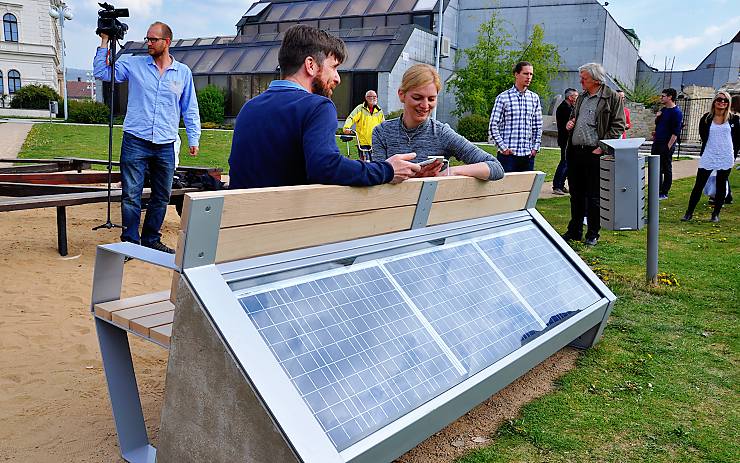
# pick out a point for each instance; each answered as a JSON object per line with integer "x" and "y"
{"x": 285, "y": 136}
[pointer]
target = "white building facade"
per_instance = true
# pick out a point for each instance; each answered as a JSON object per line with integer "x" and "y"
{"x": 30, "y": 46}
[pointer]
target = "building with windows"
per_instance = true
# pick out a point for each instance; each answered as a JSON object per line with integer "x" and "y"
{"x": 29, "y": 46}
{"x": 386, "y": 37}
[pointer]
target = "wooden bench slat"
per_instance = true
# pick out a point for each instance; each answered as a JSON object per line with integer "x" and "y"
{"x": 126, "y": 316}
{"x": 142, "y": 325}
{"x": 104, "y": 309}
{"x": 473, "y": 208}
{"x": 463, "y": 188}
{"x": 304, "y": 201}
{"x": 161, "y": 334}
{"x": 268, "y": 238}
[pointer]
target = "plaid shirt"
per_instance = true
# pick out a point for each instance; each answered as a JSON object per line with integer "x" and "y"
{"x": 516, "y": 122}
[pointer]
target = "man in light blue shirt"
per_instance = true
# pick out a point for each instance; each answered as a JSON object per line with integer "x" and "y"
{"x": 160, "y": 91}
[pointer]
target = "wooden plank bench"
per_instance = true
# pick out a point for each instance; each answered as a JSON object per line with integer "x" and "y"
{"x": 61, "y": 197}
{"x": 225, "y": 226}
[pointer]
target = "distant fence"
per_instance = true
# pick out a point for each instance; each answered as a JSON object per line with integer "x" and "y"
{"x": 693, "y": 109}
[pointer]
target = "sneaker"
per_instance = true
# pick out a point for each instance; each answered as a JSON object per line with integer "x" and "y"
{"x": 662, "y": 197}
{"x": 565, "y": 190}
{"x": 715, "y": 219}
{"x": 159, "y": 246}
{"x": 558, "y": 191}
{"x": 591, "y": 241}
{"x": 686, "y": 217}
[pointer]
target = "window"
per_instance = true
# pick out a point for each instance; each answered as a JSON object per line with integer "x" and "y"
{"x": 2, "y": 89}
{"x": 14, "y": 81}
{"x": 10, "y": 26}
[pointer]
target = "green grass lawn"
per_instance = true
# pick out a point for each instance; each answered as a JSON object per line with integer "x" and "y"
{"x": 661, "y": 386}
{"x": 58, "y": 140}
{"x": 663, "y": 383}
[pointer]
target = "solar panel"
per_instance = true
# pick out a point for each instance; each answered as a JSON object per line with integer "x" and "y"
{"x": 539, "y": 272}
{"x": 353, "y": 348}
{"x": 366, "y": 344}
{"x": 466, "y": 302}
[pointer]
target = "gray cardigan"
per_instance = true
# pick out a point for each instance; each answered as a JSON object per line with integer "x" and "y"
{"x": 432, "y": 138}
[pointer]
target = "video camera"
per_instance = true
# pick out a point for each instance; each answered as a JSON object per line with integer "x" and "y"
{"x": 108, "y": 23}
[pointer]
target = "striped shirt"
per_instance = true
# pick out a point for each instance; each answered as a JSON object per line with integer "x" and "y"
{"x": 516, "y": 122}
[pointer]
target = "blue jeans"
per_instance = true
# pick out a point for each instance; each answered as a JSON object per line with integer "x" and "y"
{"x": 139, "y": 157}
{"x": 561, "y": 172}
{"x": 512, "y": 163}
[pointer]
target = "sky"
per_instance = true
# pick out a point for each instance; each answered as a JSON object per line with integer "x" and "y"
{"x": 680, "y": 33}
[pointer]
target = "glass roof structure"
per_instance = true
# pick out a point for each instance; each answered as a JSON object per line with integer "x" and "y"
{"x": 370, "y": 49}
{"x": 281, "y": 11}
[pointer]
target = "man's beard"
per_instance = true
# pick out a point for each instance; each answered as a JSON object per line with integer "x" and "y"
{"x": 320, "y": 87}
{"x": 154, "y": 53}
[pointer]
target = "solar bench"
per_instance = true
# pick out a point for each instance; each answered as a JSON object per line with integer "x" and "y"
{"x": 268, "y": 229}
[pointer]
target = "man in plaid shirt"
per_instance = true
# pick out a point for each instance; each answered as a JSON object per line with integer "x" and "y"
{"x": 516, "y": 122}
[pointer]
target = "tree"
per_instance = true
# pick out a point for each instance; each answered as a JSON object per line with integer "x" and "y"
{"x": 490, "y": 63}
{"x": 545, "y": 60}
{"x": 487, "y": 73}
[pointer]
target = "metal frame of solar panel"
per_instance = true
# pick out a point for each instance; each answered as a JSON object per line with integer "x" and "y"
{"x": 362, "y": 349}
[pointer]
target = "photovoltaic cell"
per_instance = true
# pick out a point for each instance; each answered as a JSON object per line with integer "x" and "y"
{"x": 354, "y": 350}
{"x": 540, "y": 273}
{"x": 466, "y": 302}
{"x": 368, "y": 344}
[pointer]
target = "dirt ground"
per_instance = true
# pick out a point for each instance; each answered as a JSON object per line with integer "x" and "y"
{"x": 53, "y": 399}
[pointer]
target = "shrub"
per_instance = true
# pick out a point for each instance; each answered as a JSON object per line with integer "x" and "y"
{"x": 88, "y": 112}
{"x": 211, "y": 103}
{"x": 35, "y": 97}
{"x": 473, "y": 127}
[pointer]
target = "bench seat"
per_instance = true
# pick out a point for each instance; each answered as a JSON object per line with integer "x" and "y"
{"x": 149, "y": 316}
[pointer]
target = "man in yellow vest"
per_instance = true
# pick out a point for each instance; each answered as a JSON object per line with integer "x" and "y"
{"x": 365, "y": 116}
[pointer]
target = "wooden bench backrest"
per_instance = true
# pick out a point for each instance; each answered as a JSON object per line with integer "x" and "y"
{"x": 261, "y": 221}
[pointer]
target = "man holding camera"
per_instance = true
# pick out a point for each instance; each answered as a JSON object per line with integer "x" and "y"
{"x": 160, "y": 91}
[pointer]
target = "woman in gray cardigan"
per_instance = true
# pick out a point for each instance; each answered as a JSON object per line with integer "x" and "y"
{"x": 416, "y": 132}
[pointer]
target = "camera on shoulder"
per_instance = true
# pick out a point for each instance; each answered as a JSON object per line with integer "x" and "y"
{"x": 108, "y": 22}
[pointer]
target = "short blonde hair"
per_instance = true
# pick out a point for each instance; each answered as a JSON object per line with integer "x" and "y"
{"x": 726, "y": 115}
{"x": 419, "y": 75}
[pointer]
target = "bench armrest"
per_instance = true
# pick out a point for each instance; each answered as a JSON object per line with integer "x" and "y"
{"x": 145, "y": 254}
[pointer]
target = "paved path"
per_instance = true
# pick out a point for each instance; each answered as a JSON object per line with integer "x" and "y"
{"x": 13, "y": 134}
{"x": 681, "y": 169}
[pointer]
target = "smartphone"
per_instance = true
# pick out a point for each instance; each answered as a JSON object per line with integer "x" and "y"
{"x": 431, "y": 159}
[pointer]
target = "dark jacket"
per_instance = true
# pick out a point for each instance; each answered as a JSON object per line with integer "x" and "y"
{"x": 285, "y": 137}
{"x": 562, "y": 115}
{"x": 610, "y": 122}
{"x": 734, "y": 121}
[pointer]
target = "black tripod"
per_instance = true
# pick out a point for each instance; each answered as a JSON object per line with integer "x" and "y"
{"x": 108, "y": 224}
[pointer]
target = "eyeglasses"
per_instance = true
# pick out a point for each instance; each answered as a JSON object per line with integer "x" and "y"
{"x": 153, "y": 39}
{"x": 722, "y": 100}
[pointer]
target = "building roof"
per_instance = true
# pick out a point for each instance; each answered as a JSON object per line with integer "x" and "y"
{"x": 369, "y": 49}
{"x": 301, "y": 10}
{"x": 78, "y": 90}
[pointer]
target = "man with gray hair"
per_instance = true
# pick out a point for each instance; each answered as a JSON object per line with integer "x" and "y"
{"x": 598, "y": 115}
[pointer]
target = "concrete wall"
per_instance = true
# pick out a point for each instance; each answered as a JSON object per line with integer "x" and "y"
{"x": 210, "y": 412}
{"x": 581, "y": 29}
{"x": 420, "y": 48}
{"x": 620, "y": 55}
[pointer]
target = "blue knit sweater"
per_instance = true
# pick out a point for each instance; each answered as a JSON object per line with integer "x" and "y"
{"x": 285, "y": 136}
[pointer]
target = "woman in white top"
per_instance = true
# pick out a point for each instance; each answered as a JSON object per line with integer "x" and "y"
{"x": 719, "y": 131}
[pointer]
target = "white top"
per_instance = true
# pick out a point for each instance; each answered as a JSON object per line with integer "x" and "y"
{"x": 718, "y": 151}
